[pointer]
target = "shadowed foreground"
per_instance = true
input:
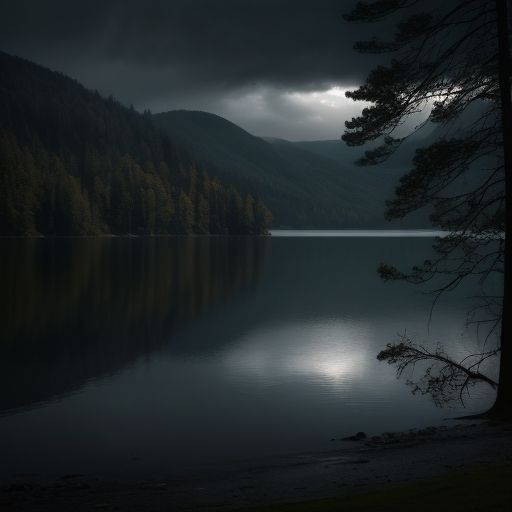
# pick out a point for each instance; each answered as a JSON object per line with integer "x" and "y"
{"x": 458, "y": 468}
{"x": 485, "y": 488}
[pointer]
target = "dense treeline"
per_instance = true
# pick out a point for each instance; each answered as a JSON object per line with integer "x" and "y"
{"x": 73, "y": 163}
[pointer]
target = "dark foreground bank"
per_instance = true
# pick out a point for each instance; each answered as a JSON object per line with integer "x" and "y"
{"x": 478, "y": 488}
{"x": 435, "y": 468}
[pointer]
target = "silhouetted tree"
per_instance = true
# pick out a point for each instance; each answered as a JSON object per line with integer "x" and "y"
{"x": 452, "y": 61}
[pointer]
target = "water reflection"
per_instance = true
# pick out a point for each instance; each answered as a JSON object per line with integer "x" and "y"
{"x": 78, "y": 309}
{"x": 331, "y": 351}
{"x": 153, "y": 354}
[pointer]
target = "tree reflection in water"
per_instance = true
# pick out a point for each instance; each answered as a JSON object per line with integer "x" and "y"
{"x": 72, "y": 310}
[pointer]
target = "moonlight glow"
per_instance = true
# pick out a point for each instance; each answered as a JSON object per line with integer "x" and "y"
{"x": 335, "y": 353}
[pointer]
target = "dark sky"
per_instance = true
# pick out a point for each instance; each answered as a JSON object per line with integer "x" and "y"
{"x": 276, "y": 67}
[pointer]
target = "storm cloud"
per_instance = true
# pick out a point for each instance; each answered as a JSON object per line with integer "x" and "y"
{"x": 274, "y": 66}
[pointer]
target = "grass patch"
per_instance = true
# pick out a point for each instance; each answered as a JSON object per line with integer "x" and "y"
{"x": 486, "y": 488}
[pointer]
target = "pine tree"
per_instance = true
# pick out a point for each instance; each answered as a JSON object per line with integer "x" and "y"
{"x": 72, "y": 162}
{"x": 454, "y": 60}
{"x": 185, "y": 214}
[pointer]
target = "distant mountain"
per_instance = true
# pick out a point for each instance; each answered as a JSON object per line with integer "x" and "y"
{"x": 396, "y": 165}
{"x": 383, "y": 178}
{"x": 75, "y": 163}
{"x": 305, "y": 184}
{"x": 335, "y": 150}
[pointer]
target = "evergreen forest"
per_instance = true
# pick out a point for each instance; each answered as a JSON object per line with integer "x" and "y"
{"x": 75, "y": 163}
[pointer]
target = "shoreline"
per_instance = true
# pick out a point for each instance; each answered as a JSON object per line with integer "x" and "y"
{"x": 350, "y": 467}
{"x": 277, "y": 233}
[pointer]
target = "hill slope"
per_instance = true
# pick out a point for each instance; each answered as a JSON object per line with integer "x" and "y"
{"x": 303, "y": 187}
{"x": 395, "y": 166}
{"x": 73, "y": 162}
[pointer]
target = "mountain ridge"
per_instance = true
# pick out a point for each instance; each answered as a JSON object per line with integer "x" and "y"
{"x": 75, "y": 163}
{"x": 302, "y": 187}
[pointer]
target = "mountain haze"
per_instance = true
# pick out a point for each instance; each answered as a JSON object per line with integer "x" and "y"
{"x": 305, "y": 184}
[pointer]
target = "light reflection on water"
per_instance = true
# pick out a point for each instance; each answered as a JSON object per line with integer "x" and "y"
{"x": 328, "y": 351}
{"x": 358, "y": 233}
{"x": 153, "y": 355}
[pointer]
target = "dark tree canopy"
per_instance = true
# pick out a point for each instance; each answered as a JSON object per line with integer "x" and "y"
{"x": 447, "y": 61}
{"x": 74, "y": 163}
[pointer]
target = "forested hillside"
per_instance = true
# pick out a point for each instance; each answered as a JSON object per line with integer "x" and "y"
{"x": 304, "y": 186}
{"x": 75, "y": 163}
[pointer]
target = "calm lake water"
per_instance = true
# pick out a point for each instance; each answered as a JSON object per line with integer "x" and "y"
{"x": 138, "y": 356}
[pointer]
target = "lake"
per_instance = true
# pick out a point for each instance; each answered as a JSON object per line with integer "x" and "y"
{"x": 140, "y": 356}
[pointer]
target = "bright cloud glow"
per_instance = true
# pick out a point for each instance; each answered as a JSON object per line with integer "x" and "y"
{"x": 332, "y": 98}
{"x": 292, "y": 115}
{"x": 268, "y": 111}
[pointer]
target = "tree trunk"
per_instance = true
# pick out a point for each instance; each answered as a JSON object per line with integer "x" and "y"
{"x": 503, "y": 404}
